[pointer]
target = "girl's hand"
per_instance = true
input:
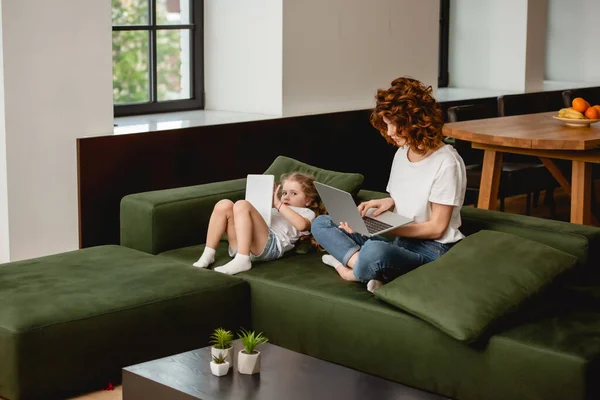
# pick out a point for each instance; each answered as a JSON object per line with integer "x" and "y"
{"x": 380, "y": 205}
{"x": 346, "y": 227}
{"x": 276, "y": 200}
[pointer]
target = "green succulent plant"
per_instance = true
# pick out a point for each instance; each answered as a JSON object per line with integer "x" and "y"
{"x": 221, "y": 339}
{"x": 220, "y": 359}
{"x": 251, "y": 340}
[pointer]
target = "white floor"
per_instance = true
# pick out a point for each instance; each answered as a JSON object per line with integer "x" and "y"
{"x": 166, "y": 121}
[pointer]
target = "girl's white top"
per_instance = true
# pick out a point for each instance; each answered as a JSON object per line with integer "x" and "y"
{"x": 285, "y": 233}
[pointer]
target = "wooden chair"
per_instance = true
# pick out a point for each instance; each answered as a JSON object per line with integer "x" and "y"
{"x": 516, "y": 178}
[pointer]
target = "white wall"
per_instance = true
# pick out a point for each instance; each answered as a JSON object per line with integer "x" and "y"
{"x": 4, "y": 237}
{"x": 242, "y": 55}
{"x": 284, "y": 57}
{"x": 487, "y": 46}
{"x": 336, "y": 53}
{"x": 57, "y": 87}
{"x": 573, "y": 47}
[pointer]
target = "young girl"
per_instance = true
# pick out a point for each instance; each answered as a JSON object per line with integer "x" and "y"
{"x": 427, "y": 182}
{"x": 250, "y": 239}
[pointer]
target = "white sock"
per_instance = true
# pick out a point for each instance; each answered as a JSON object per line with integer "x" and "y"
{"x": 240, "y": 263}
{"x": 207, "y": 258}
{"x": 374, "y": 284}
{"x": 330, "y": 260}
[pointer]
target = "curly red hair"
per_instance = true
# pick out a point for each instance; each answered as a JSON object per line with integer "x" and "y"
{"x": 410, "y": 105}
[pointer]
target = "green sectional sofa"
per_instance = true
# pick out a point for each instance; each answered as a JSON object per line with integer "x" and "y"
{"x": 550, "y": 349}
{"x": 70, "y": 322}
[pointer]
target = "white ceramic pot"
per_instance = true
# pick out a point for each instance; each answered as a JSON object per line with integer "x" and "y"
{"x": 219, "y": 369}
{"x": 248, "y": 363}
{"x": 227, "y": 353}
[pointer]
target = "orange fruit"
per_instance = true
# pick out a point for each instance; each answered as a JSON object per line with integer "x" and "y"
{"x": 579, "y": 104}
{"x": 597, "y": 107}
{"x": 592, "y": 113}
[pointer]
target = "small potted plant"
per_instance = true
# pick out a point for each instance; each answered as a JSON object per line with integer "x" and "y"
{"x": 219, "y": 366}
{"x": 249, "y": 358}
{"x": 221, "y": 344}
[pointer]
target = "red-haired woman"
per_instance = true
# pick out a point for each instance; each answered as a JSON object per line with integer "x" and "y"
{"x": 427, "y": 183}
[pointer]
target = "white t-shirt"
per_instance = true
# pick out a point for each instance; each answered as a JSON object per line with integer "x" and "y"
{"x": 285, "y": 233}
{"x": 439, "y": 178}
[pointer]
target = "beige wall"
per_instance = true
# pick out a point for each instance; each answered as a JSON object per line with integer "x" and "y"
{"x": 4, "y": 236}
{"x": 535, "y": 48}
{"x": 57, "y": 79}
{"x": 336, "y": 53}
{"x": 284, "y": 57}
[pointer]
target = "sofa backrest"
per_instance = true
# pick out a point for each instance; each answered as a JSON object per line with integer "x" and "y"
{"x": 163, "y": 220}
{"x": 579, "y": 240}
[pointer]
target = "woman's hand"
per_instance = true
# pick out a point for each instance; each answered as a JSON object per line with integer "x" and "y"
{"x": 276, "y": 200}
{"x": 380, "y": 205}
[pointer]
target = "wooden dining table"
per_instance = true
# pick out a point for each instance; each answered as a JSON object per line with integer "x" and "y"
{"x": 537, "y": 135}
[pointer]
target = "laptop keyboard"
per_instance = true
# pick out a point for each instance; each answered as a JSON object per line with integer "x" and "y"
{"x": 374, "y": 225}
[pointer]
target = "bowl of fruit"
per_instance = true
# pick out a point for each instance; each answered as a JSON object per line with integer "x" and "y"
{"x": 579, "y": 114}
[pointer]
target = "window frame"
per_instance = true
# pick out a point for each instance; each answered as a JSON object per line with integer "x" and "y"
{"x": 196, "y": 100}
{"x": 443, "y": 74}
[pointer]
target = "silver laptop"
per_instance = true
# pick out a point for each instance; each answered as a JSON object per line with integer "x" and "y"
{"x": 341, "y": 208}
{"x": 259, "y": 192}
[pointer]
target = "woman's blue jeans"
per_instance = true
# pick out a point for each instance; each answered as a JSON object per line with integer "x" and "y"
{"x": 378, "y": 258}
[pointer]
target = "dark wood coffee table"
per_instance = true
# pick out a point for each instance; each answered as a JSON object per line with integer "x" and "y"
{"x": 284, "y": 374}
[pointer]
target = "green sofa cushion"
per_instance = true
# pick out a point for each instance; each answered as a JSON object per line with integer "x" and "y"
{"x": 350, "y": 182}
{"x": 478, "y": 281}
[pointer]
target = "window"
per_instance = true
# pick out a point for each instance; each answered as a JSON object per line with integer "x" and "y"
{"x": 444, "y": 43}
{"x": 157, "y": 56}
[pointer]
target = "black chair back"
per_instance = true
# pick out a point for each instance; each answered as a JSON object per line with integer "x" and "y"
{"x": 470, "y": 111}
{"x": 466, "y": 113}
{"x": 529, "y": 103}
{"x": 591, "y": 95}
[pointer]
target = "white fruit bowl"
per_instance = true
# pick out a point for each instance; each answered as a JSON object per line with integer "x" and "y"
{"x": 577, "y": 122}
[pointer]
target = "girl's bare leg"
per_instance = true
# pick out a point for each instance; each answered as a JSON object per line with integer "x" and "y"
{"x": 221, "y": 220}
{"x": 251, "y": 229}
{"x": 251, "y": 233}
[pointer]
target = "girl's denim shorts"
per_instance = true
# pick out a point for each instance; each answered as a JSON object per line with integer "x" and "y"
{"x": 270, "y": 252}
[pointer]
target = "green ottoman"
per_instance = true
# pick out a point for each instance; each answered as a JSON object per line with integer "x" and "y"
{"x": 70, "y": 322}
